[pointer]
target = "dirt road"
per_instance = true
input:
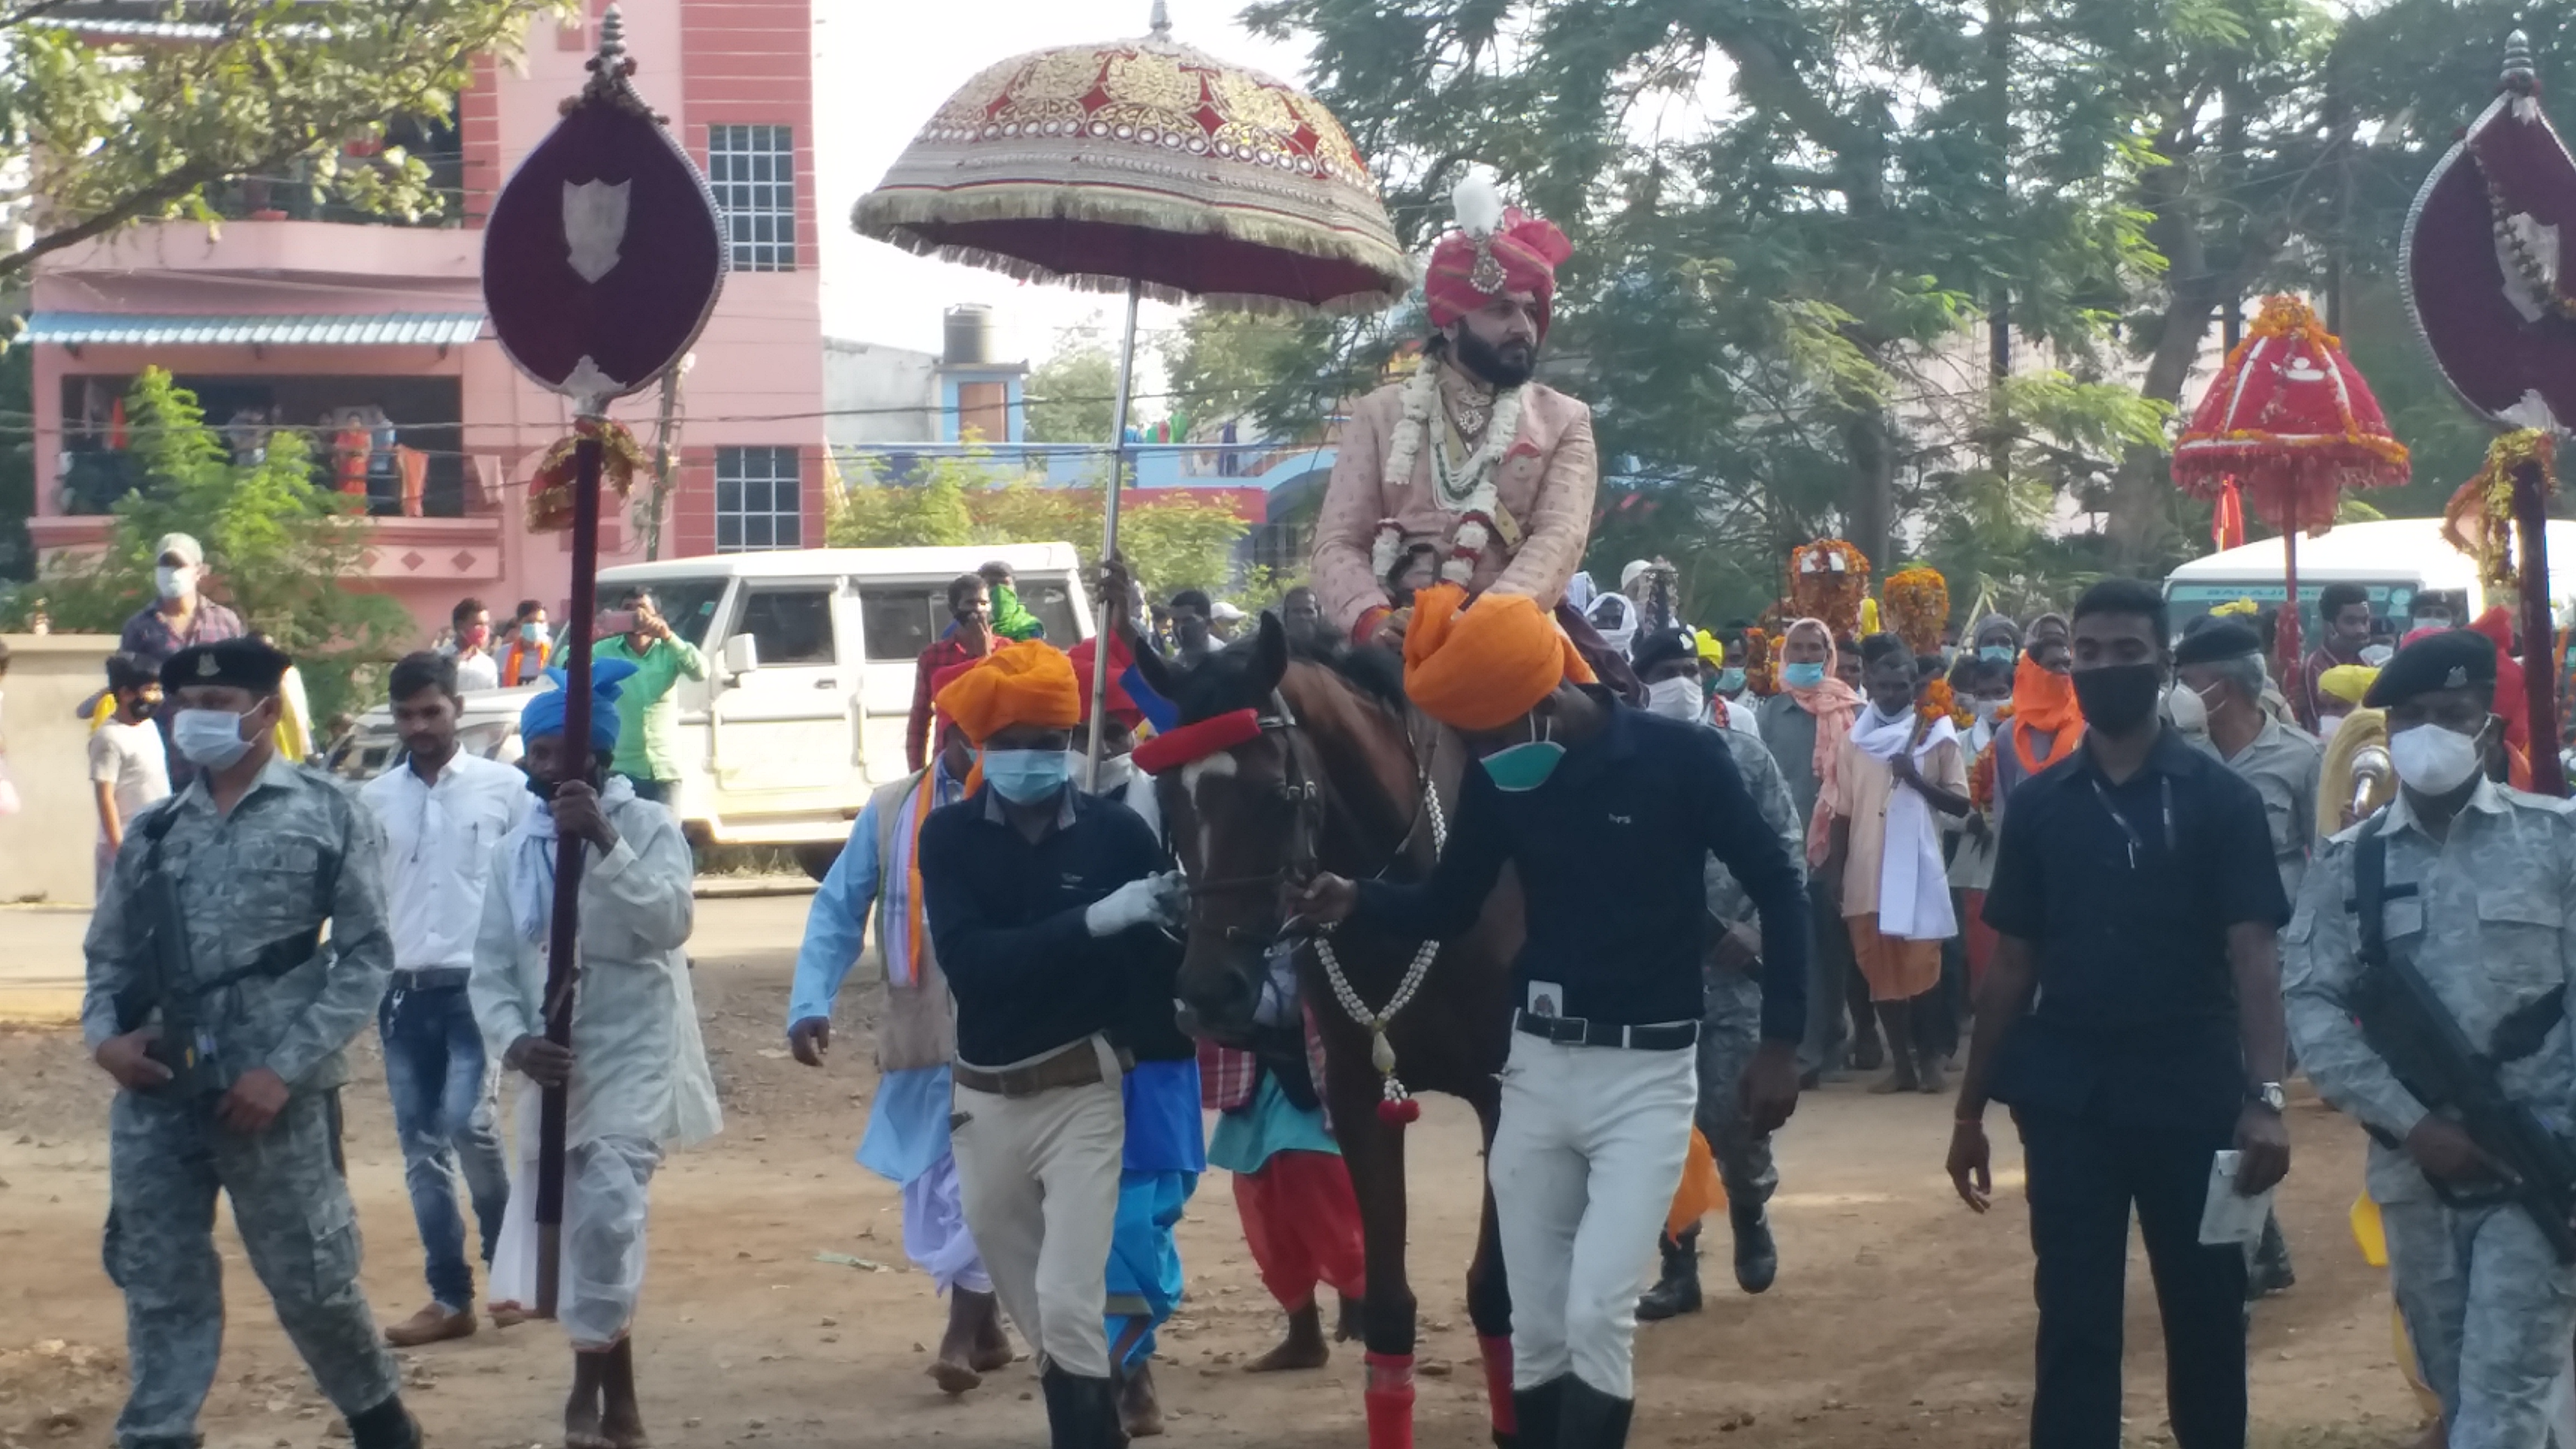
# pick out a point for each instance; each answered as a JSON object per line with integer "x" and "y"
{"x": 1898, "y": 1318}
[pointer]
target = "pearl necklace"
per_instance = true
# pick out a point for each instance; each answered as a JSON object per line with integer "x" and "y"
{"x": 1467, "y": 491}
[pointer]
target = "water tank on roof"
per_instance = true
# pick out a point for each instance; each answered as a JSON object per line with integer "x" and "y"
{"x": 969, "y": 339}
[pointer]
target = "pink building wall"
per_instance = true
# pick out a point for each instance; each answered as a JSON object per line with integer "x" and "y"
{"x": 756, "y": 379}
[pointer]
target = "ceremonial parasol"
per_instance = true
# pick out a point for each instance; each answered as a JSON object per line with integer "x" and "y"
{"x": 1145, "y": 167}
{"x": 2284, "y": 428}
{"x": 2488, "y": 293}
{"x": 602, "y": 260}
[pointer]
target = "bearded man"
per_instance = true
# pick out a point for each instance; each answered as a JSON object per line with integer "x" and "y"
{"x": 1492, "y": 471}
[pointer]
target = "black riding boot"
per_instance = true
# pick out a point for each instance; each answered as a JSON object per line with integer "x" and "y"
{"x": 1591, "y": 1419}
{"x": 1677, "y": 1291}
{"x": 1757, "y": 1258}
{"x": 1081, "y": 1413}
{"x": 1536, "y": 1414}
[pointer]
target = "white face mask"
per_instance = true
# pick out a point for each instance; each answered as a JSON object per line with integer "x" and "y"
{"x": 2327, "y": 724}
{"x": 1116, "y": 771}
{"x": 1984, "y": 709}
{"x": 209, "y": 738}
{"x": 2188, "y": 711}
{"x": 1675, "y": 698}
{"x": 2433, "y": 760}
{"x": 174, "y": 583}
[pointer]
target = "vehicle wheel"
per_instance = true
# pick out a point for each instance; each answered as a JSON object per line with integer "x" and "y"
{"x": 817, "y": 859}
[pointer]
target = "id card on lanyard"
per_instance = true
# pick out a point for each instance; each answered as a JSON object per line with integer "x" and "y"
{"x": 2137, "y": 842}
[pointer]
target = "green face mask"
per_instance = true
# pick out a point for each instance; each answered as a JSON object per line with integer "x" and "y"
{"x": 1518, "y": 769}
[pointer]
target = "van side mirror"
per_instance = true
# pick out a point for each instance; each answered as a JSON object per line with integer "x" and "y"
{"x": 741, "y": 654}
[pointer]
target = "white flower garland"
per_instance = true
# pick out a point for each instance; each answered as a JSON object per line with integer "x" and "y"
{"x": 1475, "y": 504}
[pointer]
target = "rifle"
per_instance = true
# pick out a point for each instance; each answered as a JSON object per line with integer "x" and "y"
{"x": 169, "y": 982}
{"x": 2416, "y": 1035}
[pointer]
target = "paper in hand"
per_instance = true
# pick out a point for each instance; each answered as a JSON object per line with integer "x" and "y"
{"x": 2229, "y": 1216}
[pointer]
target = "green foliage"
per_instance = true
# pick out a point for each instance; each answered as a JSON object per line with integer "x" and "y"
{"x": 1169, "y": 543}
{"x": 128, "y": 130}
{"x": 278, "y": 547}
{"x": 1072, "y": 396}
{"x": 17, "y": 461}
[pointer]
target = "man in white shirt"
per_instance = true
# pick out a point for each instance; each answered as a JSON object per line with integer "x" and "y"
{"x": 129, "y": 766}
{"x": 471, "y": 647}
{"x": 444, "y": 810}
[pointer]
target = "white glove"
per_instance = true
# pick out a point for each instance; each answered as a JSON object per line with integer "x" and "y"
{"x": 1148, "y": 900}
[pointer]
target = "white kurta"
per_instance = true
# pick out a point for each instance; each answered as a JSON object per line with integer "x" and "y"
{"x": 639, "y": 1082}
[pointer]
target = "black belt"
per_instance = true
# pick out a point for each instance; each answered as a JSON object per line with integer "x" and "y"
{"x": 1576, "y": 1031}
{"x": 430, "y": 978}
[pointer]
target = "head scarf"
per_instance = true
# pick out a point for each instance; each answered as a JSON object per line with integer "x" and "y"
{"x": 1832, "y": 704}
{"x": 1620, "y": 635}
{"x": 1496, "y": 249}
{"x": 1482, "y": 668}
{"x": 2043, "y": 701}
{"x": 544, "y": 714}
{"x": 2347, "y": 682}
{"x": 1024, "y": 683}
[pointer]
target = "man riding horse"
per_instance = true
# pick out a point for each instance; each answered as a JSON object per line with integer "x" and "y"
{"x": 1494, "y": 473}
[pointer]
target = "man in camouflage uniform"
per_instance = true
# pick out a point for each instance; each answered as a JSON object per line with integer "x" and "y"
{"x": 2478, "y": 879}
{"x": 1732, "y": 1029}
{"x": 263, "y": 853}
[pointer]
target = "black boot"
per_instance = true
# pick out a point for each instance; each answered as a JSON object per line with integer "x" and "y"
{"x": 1677, "y": 1291}
{"x": 1757, "y": 1258}
{"x": 386, "y": 1426}
{"x": 1591, "y": 1419}
{"x": 1081, "y": 1413}
{"x": 1536, "y": 1414}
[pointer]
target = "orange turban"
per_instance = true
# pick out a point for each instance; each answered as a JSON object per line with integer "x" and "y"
{"x": 1482, "y": 668}
{"x": 1029, "y": 683}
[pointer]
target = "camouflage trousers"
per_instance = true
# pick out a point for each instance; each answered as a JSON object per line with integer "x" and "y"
{"x": 2489, "y": 1310}
{"x": 166, "y": 1161}
{"x": 1728, "y": 1035}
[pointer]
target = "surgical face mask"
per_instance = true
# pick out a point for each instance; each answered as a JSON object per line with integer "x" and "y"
{"x": 2327, "y": 725}
{"x": 1985, "y": 709}
{"x": 1024, "y": 777}
{"x": 1674, "y": 698}
{"x": 2000, "y": 653}
{"x": 532, "y": 633}
{"x": 2432, "y": 759}
{"x": 2117, "y": 698}
{"x": 1802, "y": 676}
{"x": 2377, "y": 655}
{"x": 1116, "y": 771}
{"x": 174, "y": 583}
{"x": 1521, "y": 768}
{"x": 1730, "y": 682}
{"x": 209, "y": 738}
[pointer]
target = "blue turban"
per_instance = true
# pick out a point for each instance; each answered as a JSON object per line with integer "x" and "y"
{"x": 545, "y": 714}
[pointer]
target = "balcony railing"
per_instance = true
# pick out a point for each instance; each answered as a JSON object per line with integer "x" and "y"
{"x": 93, "y": 479}
{"x": 296, "y": 196}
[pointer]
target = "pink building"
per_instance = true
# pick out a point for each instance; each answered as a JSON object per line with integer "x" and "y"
{"x": 370, "y": 336}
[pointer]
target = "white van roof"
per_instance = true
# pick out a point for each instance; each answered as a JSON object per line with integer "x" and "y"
{"x": 2391, "y": 548}
{"x": 938, "y": 562}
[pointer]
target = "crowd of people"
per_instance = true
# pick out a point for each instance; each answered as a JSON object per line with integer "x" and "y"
{"x": 2094, "y": 849}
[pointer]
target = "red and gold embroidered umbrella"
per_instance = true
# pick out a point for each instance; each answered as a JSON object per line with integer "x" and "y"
{"x": 1150, "y": 168}
{"x": 2491, "y": 299}
{"x": 2290, "y": 424}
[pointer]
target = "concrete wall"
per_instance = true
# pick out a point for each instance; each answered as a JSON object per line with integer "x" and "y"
{"x": 47, "y": 848}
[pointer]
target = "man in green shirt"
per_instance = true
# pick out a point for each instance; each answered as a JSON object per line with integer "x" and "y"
{"x": 648, "y": 718}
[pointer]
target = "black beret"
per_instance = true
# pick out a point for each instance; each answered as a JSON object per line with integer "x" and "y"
{"x": 2452, "y": 659}
{"x": 2225, "y": 639}
{"x": 234, "y": 664}
{"x": 1663, "y": 646}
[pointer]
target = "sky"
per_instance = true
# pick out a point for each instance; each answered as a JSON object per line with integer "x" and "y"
{"x": 881, "y": 68}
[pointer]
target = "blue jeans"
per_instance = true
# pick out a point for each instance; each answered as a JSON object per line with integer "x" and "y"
{"x": 444, "y": 1113}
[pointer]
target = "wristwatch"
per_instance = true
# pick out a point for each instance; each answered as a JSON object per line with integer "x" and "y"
{"x": 2268, "y": 1095}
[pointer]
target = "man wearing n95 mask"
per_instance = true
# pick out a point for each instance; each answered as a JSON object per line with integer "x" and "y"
{"x": 1046, "y": 909}
{"x": 2473, "y": 885}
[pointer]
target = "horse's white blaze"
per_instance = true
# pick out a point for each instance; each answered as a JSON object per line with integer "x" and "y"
{"x": 1218, "y": 766}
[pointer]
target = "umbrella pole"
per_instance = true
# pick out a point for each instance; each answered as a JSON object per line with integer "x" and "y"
{"x": 2288, "y": 637}
{"x": 2539, "y": 640}
{"x": 563, "y": 942}
{"x": 1108, "y": 627}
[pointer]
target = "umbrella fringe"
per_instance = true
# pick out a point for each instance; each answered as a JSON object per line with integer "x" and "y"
{"x": 893, "y": 217}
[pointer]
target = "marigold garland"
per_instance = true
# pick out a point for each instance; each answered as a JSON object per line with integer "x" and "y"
{"x": 1827, "y": 580}
{"x": 2478, "y": 521}
{"x": 1916, "y": 608}
{"x": 550, "y": 491}
{"x": 1939, "y": 704}
{"x": 1981, "y": 777}
{"x": 1759, "y": 677}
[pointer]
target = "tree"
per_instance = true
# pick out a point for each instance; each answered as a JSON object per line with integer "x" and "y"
{"x": 1072, "y": 396}
{"x": 278, "y": 546}
{"x": 107, "y": 132}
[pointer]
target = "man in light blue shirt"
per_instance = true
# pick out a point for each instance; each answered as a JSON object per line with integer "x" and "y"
{"x": 907, "y": 1134}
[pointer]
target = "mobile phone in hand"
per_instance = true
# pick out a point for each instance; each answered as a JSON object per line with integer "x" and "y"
{"x": 613, "y": 622}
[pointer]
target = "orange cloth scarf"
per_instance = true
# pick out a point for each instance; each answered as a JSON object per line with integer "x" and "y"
{"x": 2043, "y": 702}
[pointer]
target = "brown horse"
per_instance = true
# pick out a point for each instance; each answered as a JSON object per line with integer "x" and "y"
{"x": 1342, "y": 777}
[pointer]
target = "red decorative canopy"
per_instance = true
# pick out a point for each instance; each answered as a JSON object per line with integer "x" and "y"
{"x": 2290, "y": 420}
